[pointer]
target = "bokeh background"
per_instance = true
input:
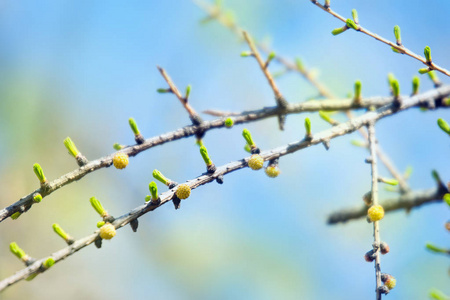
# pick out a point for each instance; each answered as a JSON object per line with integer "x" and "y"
{"x": 82, "y": 68}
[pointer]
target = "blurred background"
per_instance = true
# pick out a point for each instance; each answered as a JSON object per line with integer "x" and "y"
{"x": 82, "y": 68}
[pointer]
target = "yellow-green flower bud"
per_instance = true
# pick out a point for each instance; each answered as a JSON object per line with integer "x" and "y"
{"x": 273, "y": 171}
{"x": 16, "y": 215}
{"x": 183, "y": 191}
{"x": 188, "y": 92}
{"x": 229, "y": 122}
{"x": 98, "y": 207}
{"x": 339, "y": 30}
{"x": 48, "y": 263}
{"x": 397, "y": 34}
{"x": 37, "y": 198}
{"x": 415, "y": 85}
{"x": 248, "y": 137}
{"x": 424, "y": 70}
{"x": 447, "y": 199}
{"x": 443, "y": 125}
{"x": 159, "y": 176}
{"x": 205, "y": 155}
{"x": 357, "y": 90}
{"x": 351, "y": 24}
{"x": 355, "y": 16}
{"x": 100, "y": 224}
{"x": 133, "y": 126}
{"x": 308, "y": 127}
{"x": 118, "y": 146}
{"x": 247, "y": 148}
{"x": 427, "y": 53}
{"x": 17, "y": 251}
{"x": 70, "y": 145}
{"x": 39, "y": 173}
{"x": 390, "y": 282}
{"x": 153, "y": 190}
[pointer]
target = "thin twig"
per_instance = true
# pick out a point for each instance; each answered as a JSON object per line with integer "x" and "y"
{"x": 402, "y": 49}
{"x": 406, "y": 201}
{"x": 174, "y": 90}
{"x": 374, "y": 194}
{"x": 318, "y": 138}
{"x": 245, "y": 117}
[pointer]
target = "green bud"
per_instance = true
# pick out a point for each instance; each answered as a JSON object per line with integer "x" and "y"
{"x": 59, "y": 231}
{"x": 299, "y": 65}
{"x": 100, "y": 224}
{"x": 340, "y": 30}
{"x": 435, "y": 249}
{"x": 408, "y": 172}
{"x": 246, "y": 54}
{"x": 16, "y": 215}
{"x": 148, "y": 198}
{"x": 326, "y": 117}
{"x": 39, "y": 173}
{"x": 397, "y": 34}
{"x": 159, "y": 176}
{"x": 436, "y": 176}
{"x": 98, "y": 207}
{"x": 229, "y": 122}
{"x": 358, "y": 90}
{"x": 415, "y": 85}
{"x": 37, "y": 198}
{"x": 396, "y": 50}
{"x": 248, "y": 137}
{"x": 270, "y": 57}
{"x": 389, "y": 181}
{"x": 327, "y": 3}
{"x": 351, "y": 24}
{"x": 31, "y": 277}
{"x": 355, "y": 16}
{"x": 118, "y": 146}
{"x": 247, "y": 148}
{"x": 48, "y": 263}
{"x": 433, "y": 76}
{"x": 71, "y": 147}
{"x": 358, "y": 143}
{"x": 395, "y": 88}
{"x": 188, "y": 91}
{"x": 17, "y": 251}
{"x": 391, "y": 78}
{"x": 444, "y": 126}
{"x": 424, "y": 70}
{"x": 438, "y": 295}
{"x": 153, "y": 190}
{"x": 446, "y": 101}
{"x": 447, "y": 199}
{"x": 133, "y": 126}
{"x": 205, "y": 156}
{"x": 427, "y": 53}
{"x": 308, "y": 126}
{"x": 163, "y": 91}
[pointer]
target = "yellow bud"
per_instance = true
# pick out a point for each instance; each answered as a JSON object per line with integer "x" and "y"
{"x": 256, "y": 162}
{"x": 273, "y": 171}
{"x": 390, "y": 282}
{"x": 107, "y": 231}
{"x": 375, "y": 213}
{"x": 120, "y": 160}
{"x": 183, "y": 191}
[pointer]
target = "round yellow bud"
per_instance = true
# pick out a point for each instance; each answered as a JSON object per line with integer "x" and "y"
{"x": 183, "y": 191}
{"x": 256, "y": 162}
{"x": 107, "y": 231}
{"x": 375, "y": 213}
{"x": 120, "y": 160}
{"x": 272, "y": 171}
{"x": 390, "y": 282}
